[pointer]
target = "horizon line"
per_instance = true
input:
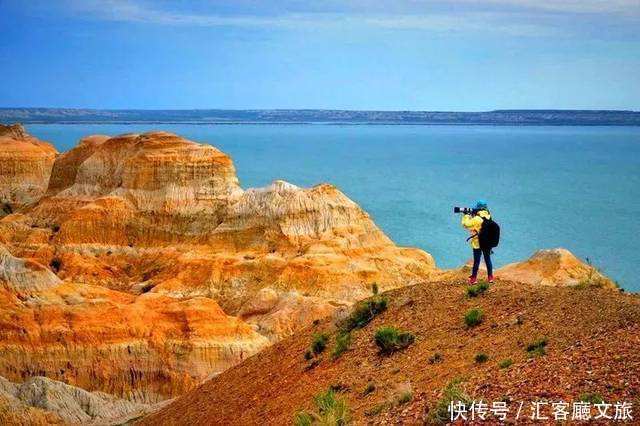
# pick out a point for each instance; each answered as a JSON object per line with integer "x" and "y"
{"x": 330, "y": 109}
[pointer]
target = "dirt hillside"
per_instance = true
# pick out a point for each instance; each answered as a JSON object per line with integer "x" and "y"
{"x": 592, "y": 351}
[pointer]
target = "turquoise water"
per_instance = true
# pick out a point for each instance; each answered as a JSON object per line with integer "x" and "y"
{"x": 572, "y": 187}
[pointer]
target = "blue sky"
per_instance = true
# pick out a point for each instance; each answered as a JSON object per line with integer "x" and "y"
{"x": 463, "y": 55}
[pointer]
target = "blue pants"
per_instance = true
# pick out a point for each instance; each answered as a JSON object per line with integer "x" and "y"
{"x": 477, "y": 253}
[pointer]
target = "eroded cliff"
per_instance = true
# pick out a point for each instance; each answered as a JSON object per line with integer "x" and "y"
{"x": 145, "y": 268}
{"x": 25, "y": 167}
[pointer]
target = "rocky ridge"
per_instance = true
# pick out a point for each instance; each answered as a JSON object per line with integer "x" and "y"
{"x": 41, "y": 401}
{"x": 532, "y": 344}
{"x": 555, "y": 267}
{"x": 25, "y": 167}
{"x": 145, "y": 348}
{"x": 143, "y": 267}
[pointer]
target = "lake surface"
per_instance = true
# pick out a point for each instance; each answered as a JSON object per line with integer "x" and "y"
{"x": 572, "y": 187}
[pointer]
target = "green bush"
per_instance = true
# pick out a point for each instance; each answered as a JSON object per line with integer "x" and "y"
{"x": 303, "y": 419}
{"x": 477, "y": 289}
{"x": 363, "y": 313}
{"x": 481, "y": 358}
{"x": 537, "y": 348}
{"x": 331, "y": 411}
{"x": 405, "y": 397}
{"x": 505, "y": 363}
{"x": 343, "y": 341}
{"x": 595, "y": 278}
{"x": 390, "y": 339}
{"x": 473, "y": 317}
{"x": 435, "y": 358}
{"x": 402, "y": 394}
{"x": 371, "y": 387}
{"x": 452, "y": 392}
{"x": 319, "y": 343}
{"x": 593, "y": 398}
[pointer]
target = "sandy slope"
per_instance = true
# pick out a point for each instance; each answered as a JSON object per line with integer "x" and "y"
{"x": 593, "y": 346}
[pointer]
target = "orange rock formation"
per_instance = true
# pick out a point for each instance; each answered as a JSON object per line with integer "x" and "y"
{"x": 145, "y": 348}
{"x": 161, "y": 270}
{"x": 25, "y": 167}
{"x": 555, "y": 267}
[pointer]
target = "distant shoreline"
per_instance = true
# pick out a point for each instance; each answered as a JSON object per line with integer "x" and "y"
{"x": 321, "y": 117}
{"x": 289, "y": 123}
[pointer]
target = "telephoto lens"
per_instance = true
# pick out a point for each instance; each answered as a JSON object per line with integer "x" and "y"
{"x": 464, "y": 210}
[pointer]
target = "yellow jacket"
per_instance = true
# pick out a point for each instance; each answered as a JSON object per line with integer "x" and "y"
{"x": 473, "y": 224}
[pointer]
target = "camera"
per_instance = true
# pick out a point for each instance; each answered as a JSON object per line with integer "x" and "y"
{"x": 464, "y": 210}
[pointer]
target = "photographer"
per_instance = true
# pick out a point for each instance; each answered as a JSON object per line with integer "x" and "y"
{"x": 473, "y": 221}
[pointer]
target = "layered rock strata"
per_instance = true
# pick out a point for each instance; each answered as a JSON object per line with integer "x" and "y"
{"x": 25, "y": 167}
{"x": 555, "y": 267}
{"x": 144, "y": 267}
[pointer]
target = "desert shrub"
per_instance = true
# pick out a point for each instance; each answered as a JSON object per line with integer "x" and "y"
{"x": 593, "y": 398}
{"x": 331, "y": 410}
{"x": 452, "y": 392}
{"x": 390, "y": 339}
{"x": 343, "y": 341}
{"x": 371, "y": 387}
{"x": 55, "y": 228}
{"x": 477, "y": 289}
{"x": 595, "y": 278}
{"x": 308, "y": 355}
{"x": 375, "y": 289}
{"x": 339, "y": 387}
{"x": 363, "y": 313}
{"x": 435, "y": 358}
{"x": 402, "y": 394}
{"x": 303, "y": 419}
{"x": 481, "y": 358}
{"x": 505, "y": 363}
{"x": 319, "y": 343}
{"x": 538, "y": 347}
{"x": 473, "y": 317}
{"x": 313, "y": 363}
{"x": 405, "y": 395}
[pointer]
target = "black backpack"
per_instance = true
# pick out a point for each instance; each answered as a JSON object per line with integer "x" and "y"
{"x": 489, "y": 235}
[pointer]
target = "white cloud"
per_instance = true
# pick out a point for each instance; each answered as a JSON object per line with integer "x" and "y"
{"x": 517, "y": 19}
{"x": 625, "y": 7}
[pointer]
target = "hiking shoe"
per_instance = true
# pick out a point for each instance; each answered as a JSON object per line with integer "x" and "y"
{"x": 490, "y": 279}
{"x": 473, "y": 280}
